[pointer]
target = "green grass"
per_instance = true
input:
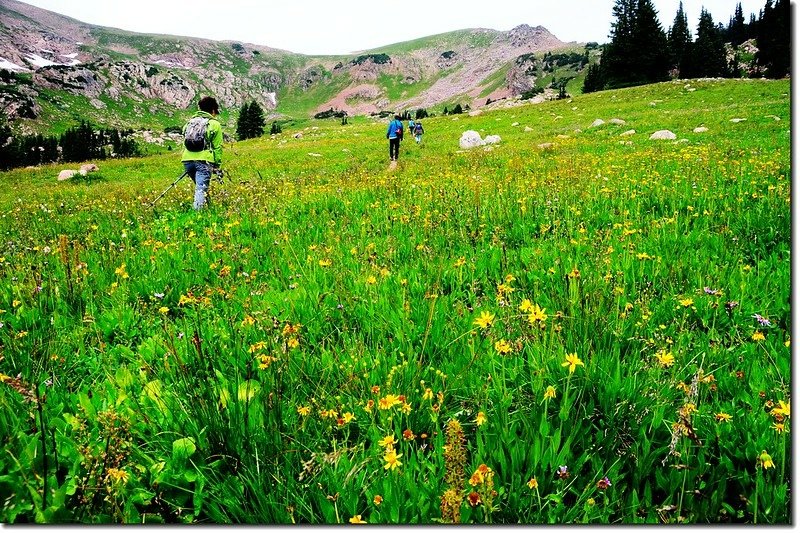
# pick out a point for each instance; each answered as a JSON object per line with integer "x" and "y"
{"x": 244, "y": 364}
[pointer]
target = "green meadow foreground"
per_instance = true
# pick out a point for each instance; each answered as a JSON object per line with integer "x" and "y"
{"x": 575, "y": 326}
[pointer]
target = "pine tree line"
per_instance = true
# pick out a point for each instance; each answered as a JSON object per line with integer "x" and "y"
{"x": 80, "y": 143}
{"x": 640, "y": 51}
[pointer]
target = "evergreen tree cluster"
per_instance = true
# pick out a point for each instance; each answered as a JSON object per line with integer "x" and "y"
{"x": 80, "y": 143}
{"x": 640, "y": 51}
{"x": 251, "y": 122}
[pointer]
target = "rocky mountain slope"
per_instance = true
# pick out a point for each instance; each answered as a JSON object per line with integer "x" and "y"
{"x": 58, "y": 70}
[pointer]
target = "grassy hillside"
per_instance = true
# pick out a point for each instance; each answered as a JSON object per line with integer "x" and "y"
{"x": 570, "y": 326}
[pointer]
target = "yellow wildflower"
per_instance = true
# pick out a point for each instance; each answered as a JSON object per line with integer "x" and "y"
{"x": 485, "y": 320}
{"x": 686, "y": 302}
{"x": 572, "y": 361}
{"x": 303, "y": 410}
{"x": 387, "y": 441}
{"x": 778, "y": 427}
{"x": 392, "y": 459}
{"x": 758, "y": 336}
{"x": 378, "y": 499}
{"x": 163, "y": 310}
{"x": 532, "y": 483}
{"x": 550, "y": 392}
{"x": 723, "y": 417}
{"x": 537, "y": 314}
{"x": 665, "y": 358}
{"x": 357, "y": 520}
{"x": 503, "y": 347}
{"x": 765, "y": 460}
{"x": 348, "y": 417}
{"x": 783, "y": 409}
{"x": 480, "y": 419}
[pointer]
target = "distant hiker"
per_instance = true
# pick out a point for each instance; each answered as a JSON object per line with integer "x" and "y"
{"x": 202, "y": 152}
{"x": 411, "y": 125}
{"x": 395, "y": 135}
{"x": 418, "y": 131}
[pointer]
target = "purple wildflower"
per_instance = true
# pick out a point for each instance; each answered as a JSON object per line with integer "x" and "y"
{"x": 730, "y": 305}
{"x": 562, "y": 472}
{"x": 712, "y": 292}
{"x": 761, "y": 320}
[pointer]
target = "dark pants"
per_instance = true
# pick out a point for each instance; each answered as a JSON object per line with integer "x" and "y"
{"x": 394, "y": 148}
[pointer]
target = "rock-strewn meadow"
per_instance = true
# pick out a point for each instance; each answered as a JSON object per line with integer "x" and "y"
{"x": 576, "y": 324}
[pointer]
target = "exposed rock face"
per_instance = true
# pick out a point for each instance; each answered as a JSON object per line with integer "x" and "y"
{"x": 161, "y": 74}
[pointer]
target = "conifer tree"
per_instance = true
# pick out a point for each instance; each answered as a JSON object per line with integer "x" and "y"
{"x": 707, "y": 57}
{"x": 774, "y": 39}
{"x": 250, "y": 123}
{"x": 594, "y": 79}
{"x": 637, "y": 52}
{"x": 679, "y": 39}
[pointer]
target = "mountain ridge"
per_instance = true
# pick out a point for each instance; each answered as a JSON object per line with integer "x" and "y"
{"x": 62, "y": 64}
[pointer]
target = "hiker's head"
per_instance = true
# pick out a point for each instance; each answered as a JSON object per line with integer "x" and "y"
{"x": 209, "y": 105}
{"x": 397, "y": 117}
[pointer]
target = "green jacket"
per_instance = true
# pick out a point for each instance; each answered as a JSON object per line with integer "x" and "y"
{"x": 214, "y": 136}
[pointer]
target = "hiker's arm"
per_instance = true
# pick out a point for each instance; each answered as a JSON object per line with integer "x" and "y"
{"x": 216, "y": 145}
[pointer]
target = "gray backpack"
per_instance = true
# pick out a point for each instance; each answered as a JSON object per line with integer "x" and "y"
{"x": 194, "y": 137}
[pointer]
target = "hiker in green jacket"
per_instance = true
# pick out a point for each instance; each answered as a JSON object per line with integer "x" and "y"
{"x": 202, "y": 152}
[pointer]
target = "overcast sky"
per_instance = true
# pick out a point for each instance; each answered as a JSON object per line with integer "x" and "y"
{"x": 345, "y": 26}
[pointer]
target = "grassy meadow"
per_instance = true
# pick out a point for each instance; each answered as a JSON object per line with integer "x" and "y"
{"x": 570, "y": 326}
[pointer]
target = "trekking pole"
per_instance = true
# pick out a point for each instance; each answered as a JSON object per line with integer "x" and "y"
{"x": 185, "y": 173}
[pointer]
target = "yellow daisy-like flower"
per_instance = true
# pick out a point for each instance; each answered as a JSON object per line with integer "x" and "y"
{"x": 387, "y": 441}
{"x": 778, "y": 427}
{"x": 378, "y": 499}
{"x": 303, "y": 410}
{"x": 118, "y": 476}
{"x": 503, "y": 347}
{"x": 324, "y": 262}
{"x": 163, "y": 310}
{"x": 782, "y": 409}
{"x": 532, "y": 483}
{"x": 480, "y": 419}
{"x": 428, "y": 395}
{"x": 765, "y": 460}
{"x": 686, "y": 302}
{"x": 392, "y": 459}
{"x": 665, "y": 358}
{"x": 485, "y": 320}
{"x": 388, "y": 401}
{"x": 357, "y": 520}
{"x": 348, "y": 417}
{"x": 550, "y": 392}
{"x": 526, "y": 306}
{"x": 758, "y": 336}
{"x": 537, "y": 314}
{"x": 572, "y": 361}
{"x": 723, "y": 417}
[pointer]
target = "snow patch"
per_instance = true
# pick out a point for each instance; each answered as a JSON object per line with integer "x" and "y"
{"x": 39, "y": 61}
{"x": 8, "y": 65}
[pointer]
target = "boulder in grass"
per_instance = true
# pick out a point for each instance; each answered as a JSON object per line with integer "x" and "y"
{"x": 88, "y": 167}
{"x": 700, "y": 129}
{"x": 664, "y": 135}
{"x": 597, "y": 122}
{"x": 470, "y": 139}
{"x": 617, "y": 121}
{"x": 492, "y": 139}
{"x": 66, "y": 174}
{"x": 627, "y": 133}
